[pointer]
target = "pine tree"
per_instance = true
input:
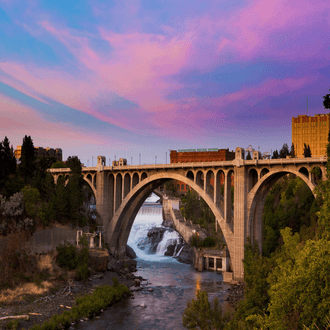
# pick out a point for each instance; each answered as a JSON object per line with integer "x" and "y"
{"x": 275, "y": 154}
{"x": 27, "y": 165}
{"x": 307, "y": 151}
{"x": 292, "y": 151}
{"x": 284, "y": 151}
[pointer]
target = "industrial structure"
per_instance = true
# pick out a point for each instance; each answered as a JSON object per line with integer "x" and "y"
{"x": 312, "y": 131}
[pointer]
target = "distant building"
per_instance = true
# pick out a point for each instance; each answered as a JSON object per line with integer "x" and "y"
{"x": 201, "y": 155}
{"x": 311, "y": 130}
{"x": 120, "y": 162}
{"x": 42, "y": 152}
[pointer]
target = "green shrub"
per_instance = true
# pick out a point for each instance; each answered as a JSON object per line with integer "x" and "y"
{"x": 209, "y": 242}
{"x": 82, "y": 272}
{"x": 86, "y": 306}
{"x": 195, "y": 241}
{"x": 201, "y": 314}
{"x": 67, "y": 256}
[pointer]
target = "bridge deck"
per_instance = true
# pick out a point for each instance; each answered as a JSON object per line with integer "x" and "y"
{"x": 261, "y": 162}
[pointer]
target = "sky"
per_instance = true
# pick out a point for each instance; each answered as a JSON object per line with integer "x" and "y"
{"x": 124, "y": 78}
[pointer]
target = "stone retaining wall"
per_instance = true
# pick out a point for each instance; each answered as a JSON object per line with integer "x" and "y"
{"x": 184, "y": 227}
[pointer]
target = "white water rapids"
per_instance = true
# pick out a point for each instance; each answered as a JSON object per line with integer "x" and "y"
{"x": 139, "y": 232}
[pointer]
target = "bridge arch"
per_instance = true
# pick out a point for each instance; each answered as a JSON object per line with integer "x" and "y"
{"x": 118, "y": 229}
{"x": 257, "y": 197}
{"x": 90, "y": 183}
{"x": 135, "y": 179}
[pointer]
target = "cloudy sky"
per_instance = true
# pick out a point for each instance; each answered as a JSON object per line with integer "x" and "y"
{"x": 127, "y": 77}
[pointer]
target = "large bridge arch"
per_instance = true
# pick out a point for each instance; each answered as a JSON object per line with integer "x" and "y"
{"x": 119, "y": 227}
{"x": 85, "y": 177}
{"x": 257, "y": 197}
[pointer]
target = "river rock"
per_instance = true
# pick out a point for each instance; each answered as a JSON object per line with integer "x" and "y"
{"x": 137, "y": 282}
{"x": 170, "y": 250}
{"x": 98, "y": 260}
{"x": 186, "y": 255}
{"x": 167, "y": 223}
{"x": 130, "y": 252}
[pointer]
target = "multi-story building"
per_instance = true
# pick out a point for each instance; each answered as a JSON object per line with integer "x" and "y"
{"x": 199, "y": 155}
{"x": 311, "y": 130}
{"x": 42, "y": 152}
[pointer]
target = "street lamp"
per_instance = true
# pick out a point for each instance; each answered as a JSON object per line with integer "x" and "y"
{"x": 87, "y": 162}
{"x": 92, "y": 161}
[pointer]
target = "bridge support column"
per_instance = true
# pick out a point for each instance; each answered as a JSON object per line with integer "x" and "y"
{"x": 240, "y": 200}
{"x": 102, "y": 198}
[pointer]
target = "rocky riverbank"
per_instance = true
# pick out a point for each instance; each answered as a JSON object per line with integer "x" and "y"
{"x": 236, "y": 294}
{"x": 62, "y": 295}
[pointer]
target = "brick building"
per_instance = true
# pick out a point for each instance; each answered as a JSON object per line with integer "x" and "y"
{"x": 310, "y": 130}
{"x": 199, "y": 155}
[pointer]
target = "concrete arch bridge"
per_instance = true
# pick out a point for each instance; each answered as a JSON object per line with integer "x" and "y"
{"x": 121, "y": 190}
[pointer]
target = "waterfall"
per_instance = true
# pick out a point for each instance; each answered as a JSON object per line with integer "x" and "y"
{"x": 152, "y": 248}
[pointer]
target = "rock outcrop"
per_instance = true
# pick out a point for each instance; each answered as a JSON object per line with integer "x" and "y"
{"x": 98, "y": 260}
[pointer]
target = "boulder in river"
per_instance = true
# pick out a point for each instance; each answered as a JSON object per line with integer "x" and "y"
{"x": 170, "y": 250}
{"x": 130, "y": 252}
{"x": 186, "y": 255}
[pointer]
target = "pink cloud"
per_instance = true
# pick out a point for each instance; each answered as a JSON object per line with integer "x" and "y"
{"x": 140, "y": 64}
{"x": 272, "y": 87}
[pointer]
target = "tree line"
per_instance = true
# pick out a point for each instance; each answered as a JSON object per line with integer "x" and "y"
{"x": 29, "y": 197}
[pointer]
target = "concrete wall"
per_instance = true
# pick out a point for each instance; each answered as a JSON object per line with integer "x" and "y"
{"x": 43, "y": 241}
{"x": 184, "y": 227}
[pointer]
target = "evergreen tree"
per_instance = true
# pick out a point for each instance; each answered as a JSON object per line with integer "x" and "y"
{"x": 307, "y": 151}
{"x": 248, "y": 156}
{"x": 74, "y": 188}
{"x": 7, "y": 166}
{"x": 326, "y": 101}
{"x": 9, "y": 161}
{"x": 292, "y": 151}
{"x": 28, "y": 157}
{"x": 275, "y": 155}
{"x": 284, "y": 151}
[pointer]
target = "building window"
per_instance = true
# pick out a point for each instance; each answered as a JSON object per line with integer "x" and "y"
{"x": 182, "y": 187}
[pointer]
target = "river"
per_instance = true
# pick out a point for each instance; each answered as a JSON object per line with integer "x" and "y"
{"x": 169, "y": 284}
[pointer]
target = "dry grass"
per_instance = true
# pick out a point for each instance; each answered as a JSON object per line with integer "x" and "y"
{"x": 9, "y": 296}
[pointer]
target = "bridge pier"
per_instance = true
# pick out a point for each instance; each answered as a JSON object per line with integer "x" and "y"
{"x": 240, "y": 216}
